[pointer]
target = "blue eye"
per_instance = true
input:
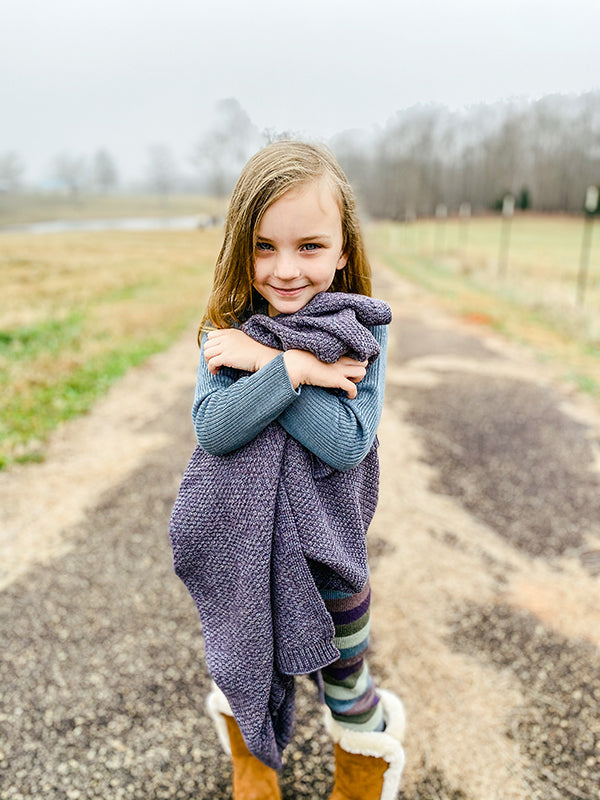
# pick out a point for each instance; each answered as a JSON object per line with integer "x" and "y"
{"x": 263, "y": 246}
{"x": 311, "y": 246}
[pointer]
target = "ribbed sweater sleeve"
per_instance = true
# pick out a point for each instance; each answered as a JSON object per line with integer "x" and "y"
{"x": 338, "y": 430}
{"x": 228, "y": 413}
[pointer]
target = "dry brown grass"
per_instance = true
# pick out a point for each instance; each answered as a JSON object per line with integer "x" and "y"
{"x": 534, "y": 302}
{"x": 79, "y": 308}
{"x": 48, "y": 276}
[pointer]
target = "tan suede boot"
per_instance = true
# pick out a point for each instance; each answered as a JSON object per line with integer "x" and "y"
{"x": 252, "y": 780}
{"x": 368, "y": 766}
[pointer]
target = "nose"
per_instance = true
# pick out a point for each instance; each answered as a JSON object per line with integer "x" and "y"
{"x": 285, "y": 267}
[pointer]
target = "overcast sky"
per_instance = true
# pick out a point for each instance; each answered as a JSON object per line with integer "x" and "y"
{"x": 77, "y": 75}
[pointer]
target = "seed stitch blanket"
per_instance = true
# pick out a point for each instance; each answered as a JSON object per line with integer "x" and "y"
{"x": 257, "y": 533}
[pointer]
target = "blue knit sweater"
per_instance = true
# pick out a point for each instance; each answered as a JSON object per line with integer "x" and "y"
{"x": 230, "y": 410}
{"x": 259, "y": 530}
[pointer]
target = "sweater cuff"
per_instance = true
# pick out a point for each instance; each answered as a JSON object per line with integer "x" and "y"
{"x": 277, "y": 365}
{"x": 300, "y": 661}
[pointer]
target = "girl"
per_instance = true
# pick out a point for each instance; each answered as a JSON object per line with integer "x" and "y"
{"x": 269, "y": 527}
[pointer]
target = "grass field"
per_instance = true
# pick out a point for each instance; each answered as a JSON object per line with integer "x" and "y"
{"x": 79, "y": 309}
{"x": 526, "y": 289}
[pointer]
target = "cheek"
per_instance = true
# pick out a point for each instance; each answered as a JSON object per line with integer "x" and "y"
{"x": 257, "y": 272}
{"x": 327, "y": 275}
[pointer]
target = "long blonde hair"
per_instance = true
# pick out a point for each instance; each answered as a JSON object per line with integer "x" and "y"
{"x": 267, "y": 176}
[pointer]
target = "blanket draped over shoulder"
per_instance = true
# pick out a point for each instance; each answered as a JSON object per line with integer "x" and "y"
{"x": 257, "y": 532}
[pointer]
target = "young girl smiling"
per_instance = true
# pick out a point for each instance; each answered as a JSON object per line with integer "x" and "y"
{"x": 269, "y": 527}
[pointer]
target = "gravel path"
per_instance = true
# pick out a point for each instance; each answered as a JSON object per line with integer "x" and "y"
{"x": 485, "y": 571}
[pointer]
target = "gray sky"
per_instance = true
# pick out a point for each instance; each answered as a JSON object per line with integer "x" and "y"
{"x": 76, "y": 75}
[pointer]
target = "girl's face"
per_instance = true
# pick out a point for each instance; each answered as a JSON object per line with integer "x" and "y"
{"x": 299, "y": 246}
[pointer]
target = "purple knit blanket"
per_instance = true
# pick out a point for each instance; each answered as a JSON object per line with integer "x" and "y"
{"x": 257, "y": 533}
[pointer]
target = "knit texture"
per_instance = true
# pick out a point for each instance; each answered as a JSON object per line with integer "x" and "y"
{"x": 326, "y": 326}
{"x": 258, "y": 532}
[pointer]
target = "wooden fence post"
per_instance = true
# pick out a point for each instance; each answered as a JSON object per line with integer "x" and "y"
{"x": 591, "y": 206}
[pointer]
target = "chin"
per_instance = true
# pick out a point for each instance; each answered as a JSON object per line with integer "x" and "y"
{"x": 287, "y": 306}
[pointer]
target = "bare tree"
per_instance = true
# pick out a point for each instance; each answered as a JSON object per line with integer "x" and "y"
{"x": 271, "y": 135}
{"x": 545, "y": 153}
{"x": 226, "y": 146}
{"x": 71, "y": 172}
{"x": 11, "y": 170}
{"x": 162, "y": 171}
{"x": 106, "y": 176}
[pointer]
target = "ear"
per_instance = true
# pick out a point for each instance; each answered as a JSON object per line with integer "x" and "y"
{"x": 342, "y": 261}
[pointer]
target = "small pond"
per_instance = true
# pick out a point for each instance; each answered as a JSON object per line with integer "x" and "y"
{"x": 187, "y": 223}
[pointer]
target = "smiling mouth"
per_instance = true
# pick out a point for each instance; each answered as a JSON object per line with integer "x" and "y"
{"x": 283, "y": 291}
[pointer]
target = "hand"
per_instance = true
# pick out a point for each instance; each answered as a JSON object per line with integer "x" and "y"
{"x": 305, "y": 368}
{"x": 231, "y": 347}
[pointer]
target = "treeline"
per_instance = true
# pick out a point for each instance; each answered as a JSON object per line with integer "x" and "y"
{"x": 545, "y": 153}
{"x": 74, "y": 174}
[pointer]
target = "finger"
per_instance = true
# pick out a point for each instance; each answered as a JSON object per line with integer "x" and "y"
{"x": 210, "y": 352}
{"x": 214, "y": 363}
{"x": 353, "y": 362}
{"x": 216, "y": 333}
{"x": 356, "y": 375}
{"x": 350, "y": 389}
{"x": 213, "y": 368}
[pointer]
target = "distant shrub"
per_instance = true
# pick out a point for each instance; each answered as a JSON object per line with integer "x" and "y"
{"x": 524, "y": 199}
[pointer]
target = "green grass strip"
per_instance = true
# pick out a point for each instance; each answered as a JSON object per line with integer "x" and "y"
{"x": 50, "y": 336}
{"x": 26, "y": 421}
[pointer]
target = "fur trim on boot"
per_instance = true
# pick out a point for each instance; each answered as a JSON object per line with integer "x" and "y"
{"x": 218, "y": 707}
{"x": 369, "y": 764}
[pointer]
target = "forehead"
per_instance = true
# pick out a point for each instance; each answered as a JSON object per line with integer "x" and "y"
{"x": 311, "y": 202}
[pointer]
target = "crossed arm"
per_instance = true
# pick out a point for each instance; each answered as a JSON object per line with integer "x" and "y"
{"x": 290, "y": 387}
{"x": 234, "y": 348}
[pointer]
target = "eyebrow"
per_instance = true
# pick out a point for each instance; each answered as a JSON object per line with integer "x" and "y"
{"x": 321, "y": 236}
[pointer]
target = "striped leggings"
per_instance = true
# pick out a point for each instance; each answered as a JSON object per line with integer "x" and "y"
{"x": 349, "y": 690}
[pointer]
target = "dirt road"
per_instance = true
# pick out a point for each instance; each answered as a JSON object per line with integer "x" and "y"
{"x": 485, "y": 556}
